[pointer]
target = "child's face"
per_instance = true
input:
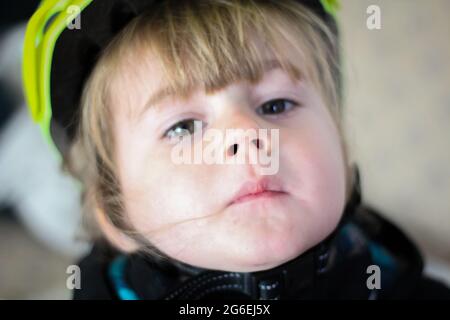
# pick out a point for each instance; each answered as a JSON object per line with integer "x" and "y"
{"x": 185, "y": 210}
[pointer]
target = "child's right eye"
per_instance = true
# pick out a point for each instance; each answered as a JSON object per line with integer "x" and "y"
{"x": 183, "y": 128}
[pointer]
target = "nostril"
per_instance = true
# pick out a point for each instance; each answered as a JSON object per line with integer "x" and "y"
{"x": 232, "y": 150}
{"x": 258, "y": 143}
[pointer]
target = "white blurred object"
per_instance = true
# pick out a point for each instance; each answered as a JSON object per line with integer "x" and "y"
{"x": 31, "y": 181}
{"x": 46, "y": 199}
{"x": 11, "y": 44}
{"x": 438, "y": 269}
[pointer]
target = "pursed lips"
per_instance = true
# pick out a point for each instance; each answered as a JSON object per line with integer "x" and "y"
{"x": 266, "y": 187}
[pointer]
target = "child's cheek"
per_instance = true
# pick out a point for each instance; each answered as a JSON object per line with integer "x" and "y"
{"x": 165, "y": 193}
{"x": 312, "y": 159}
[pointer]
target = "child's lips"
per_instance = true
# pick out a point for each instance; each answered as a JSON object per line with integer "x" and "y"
{"x": 259, "y": 195}
{"x": 266, "y": 187}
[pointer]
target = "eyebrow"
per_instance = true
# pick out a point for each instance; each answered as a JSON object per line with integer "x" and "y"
{"x": 165, "y": 92}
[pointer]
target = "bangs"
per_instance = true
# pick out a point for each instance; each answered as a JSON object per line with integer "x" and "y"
{"x": 211, "y": 44}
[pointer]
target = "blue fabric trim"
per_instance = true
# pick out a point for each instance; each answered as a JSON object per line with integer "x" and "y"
{"x": 117, "y": 274}
{"x": 353, "y": 240}
{"x": 381, "y": 256}
{"x": 387, "y": 263}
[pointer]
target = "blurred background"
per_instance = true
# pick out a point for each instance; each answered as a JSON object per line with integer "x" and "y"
{"x": 397, "y": 91}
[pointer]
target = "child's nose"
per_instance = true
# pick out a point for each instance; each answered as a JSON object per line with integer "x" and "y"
{"x": 234, "y": 148}
{"x": 244, "y": 134}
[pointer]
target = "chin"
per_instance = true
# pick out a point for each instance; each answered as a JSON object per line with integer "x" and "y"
{"x": 271, "y": 252}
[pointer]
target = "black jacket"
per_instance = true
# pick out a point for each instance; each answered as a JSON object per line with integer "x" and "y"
{"x": 365, "y": 238}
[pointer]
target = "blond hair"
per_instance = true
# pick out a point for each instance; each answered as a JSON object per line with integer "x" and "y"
{"x": 206, "y": 43}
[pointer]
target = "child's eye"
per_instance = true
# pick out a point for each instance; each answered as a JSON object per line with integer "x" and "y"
{"x": 189, "y": 126}
{"x": 277, "y": 106}
{"x": 182, "y": 128}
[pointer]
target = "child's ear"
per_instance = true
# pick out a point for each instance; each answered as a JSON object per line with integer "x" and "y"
{"x": 115, "y": 236}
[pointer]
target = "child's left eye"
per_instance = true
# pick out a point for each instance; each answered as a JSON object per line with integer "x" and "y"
{"x": 277, "y": 106}
{"x": 183, "y": 128}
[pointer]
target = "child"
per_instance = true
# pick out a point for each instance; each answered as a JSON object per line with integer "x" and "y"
{"x": 152, "y": 75}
